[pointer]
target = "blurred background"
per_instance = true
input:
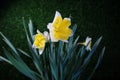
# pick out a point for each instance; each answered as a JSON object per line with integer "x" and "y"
{"x": 94, "y": 18}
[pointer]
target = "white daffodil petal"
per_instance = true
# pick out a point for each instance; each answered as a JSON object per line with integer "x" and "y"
{"x": 68, "y": 19}
{"x": 57, "y": 14}
{"x": 88, "y": 39}
{"x": 51, "y": 29}
{"x": 38, "y": 32}
{"x": 49, "y": 26}
{"x": 46, "y": 34}
{"x": 41, "y": 51}
{"x": 88, "y": 48}
{"x": 52, "y": 37}
{"x": 65, "y": 41}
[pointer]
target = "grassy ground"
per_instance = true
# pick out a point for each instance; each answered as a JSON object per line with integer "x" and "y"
{"x": 94, "y": 18}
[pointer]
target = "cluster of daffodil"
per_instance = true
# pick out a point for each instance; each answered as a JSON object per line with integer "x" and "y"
{"x": 58, "y": 31}
{"x": 68, "y": 59}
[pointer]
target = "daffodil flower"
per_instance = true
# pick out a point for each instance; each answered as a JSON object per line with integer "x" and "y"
{"x": 87, "y": 43}
{"x": 59, "y": 28}
{"x": 40, "y": 40}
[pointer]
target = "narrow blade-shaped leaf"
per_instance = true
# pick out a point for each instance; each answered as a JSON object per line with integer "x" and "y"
{"x": 4, "y": 59}
{"x": 20, "y": 65}
{"x": 23, "y": 52}
{"x": 31, "y": 28}
{"x": 92, "y": 51}
{"x": 9, "y": 43}
{"x": 98, "y": 62}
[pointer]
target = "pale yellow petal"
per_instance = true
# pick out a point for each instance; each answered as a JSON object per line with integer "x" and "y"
{"x": 65, "y": 23}
{"x": 57, "y": 20}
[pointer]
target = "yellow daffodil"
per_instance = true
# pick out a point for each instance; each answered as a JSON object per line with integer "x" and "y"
{"x": 87, "y": 43}
{"x": 40, "y": 40}
{"x": 59, "y": 28}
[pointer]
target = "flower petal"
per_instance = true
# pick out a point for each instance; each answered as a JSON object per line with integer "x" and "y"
{"x": 49, "y": 26}
{"x": 88, "y": 48}
{"x": 88, "y": 39}
{"x": 62, "y": 34}
{"x": 39, "y": 41}
{"x": 57, "y": 20}
{"x": 41, "y": 51}
{"x": 65, "y": 23}
{"x": 52, "y": 36}
{"x": 46, "y": 34}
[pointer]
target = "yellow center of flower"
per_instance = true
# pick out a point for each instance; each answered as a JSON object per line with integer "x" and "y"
{"x": 61, "y": 30}
{"x": 39, "y": 41}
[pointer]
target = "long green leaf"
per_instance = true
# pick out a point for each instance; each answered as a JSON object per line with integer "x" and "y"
{"x": 52, "y": 60}
{"x": 53, "y": 71}
{"x": 31, "y": 28}
{"x": 74, "y": 29}
{"x": 92, "y": 51}
{"x": 33, "y": 51}
{"x": 35, "y": 57}
{"x": 70, "y": 51}
{"x": 4, "y": 59}
{"x": 9, "y": 43}
{"x": 23, "y": 52}
{"x": 20, "y": 65}
{"x": 98, "y": 62}
{"x": 87, "y": 59}
{"x": 15, "y": 63}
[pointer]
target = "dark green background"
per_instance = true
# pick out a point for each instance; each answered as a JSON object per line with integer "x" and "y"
{"x": 93, "y": 17}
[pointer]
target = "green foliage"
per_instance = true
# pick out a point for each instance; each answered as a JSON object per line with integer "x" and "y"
{"x": 59, "y": 61}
